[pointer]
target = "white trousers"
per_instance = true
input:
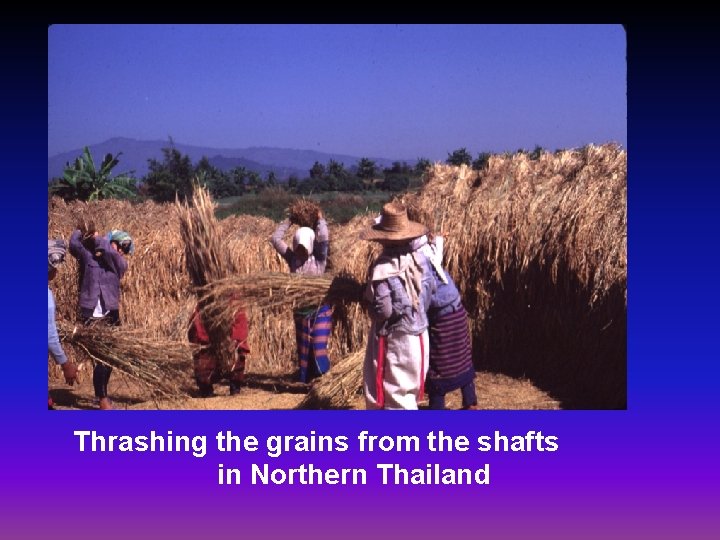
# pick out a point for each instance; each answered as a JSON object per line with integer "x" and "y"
{"x": 404, "y": 368}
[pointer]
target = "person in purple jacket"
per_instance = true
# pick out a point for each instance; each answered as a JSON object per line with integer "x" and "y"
{"x": 101, "y": 269}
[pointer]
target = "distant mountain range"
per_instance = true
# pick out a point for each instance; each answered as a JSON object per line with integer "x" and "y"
{"x": 284, "y": 162}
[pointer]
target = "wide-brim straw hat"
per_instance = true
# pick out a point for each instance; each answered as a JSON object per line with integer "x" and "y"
{"x": 394, "y": 225}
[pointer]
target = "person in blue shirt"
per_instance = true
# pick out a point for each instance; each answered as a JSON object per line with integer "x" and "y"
{"x": 56, "y": 255}
{"x": 397, "y": 294}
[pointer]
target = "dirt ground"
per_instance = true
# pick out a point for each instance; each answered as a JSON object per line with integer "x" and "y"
{"x": 494, "y": 392}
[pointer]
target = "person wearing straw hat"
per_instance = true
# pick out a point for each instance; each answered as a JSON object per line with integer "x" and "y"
{"x": 451, "y": 365}
{"x": 398, "y": 295}
{"x": 101, "y": 268}
{"x": 56, "y": 256}
{"x": 313, "y": 324}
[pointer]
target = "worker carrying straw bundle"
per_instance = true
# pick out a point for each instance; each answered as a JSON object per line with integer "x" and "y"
{"x": 313, "y": 324}
{"x": 102, "y": 266}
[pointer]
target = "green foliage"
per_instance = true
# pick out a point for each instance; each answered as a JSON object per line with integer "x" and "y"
{"x": 213, "y": 178}
{"x": 336, "y": 169}
{"x": 422, "y": 166}
{"x": 230, "y": 184}
{"x": 399, "y": 168}
{"x": 170, "y": 177}
{"x": 350, "y": 184}
{"x": 536, "y": 153}
{"x": 254, "y": 182}
{"x": 459, "y": 157}
{"x": 317, "y": 170}
{"x": 366, "y": 168}
{"x": 481, "y": 161}
{"x": 396, "y": 182}
{"x": 293, "y": 183}
{"x": 81, "y": 180}
{"x": 271, "y": 179}
{"x": 271, "y": 203}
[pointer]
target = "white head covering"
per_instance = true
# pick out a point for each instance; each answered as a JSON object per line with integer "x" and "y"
{"x": 305, "y": 237}
{"x": 402, "y": 263}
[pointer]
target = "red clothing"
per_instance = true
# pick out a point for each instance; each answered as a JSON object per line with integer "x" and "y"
{"x": 205, "y": 364}
{"x": 239, "y": 331}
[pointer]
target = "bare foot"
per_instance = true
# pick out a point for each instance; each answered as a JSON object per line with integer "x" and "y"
{"x": 105, "y": 404}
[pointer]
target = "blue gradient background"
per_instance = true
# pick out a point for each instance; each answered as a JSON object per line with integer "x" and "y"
{"x": 648, "y": 472}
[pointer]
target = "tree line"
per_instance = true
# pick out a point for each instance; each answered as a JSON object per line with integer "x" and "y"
{"x": 175, "y": 174}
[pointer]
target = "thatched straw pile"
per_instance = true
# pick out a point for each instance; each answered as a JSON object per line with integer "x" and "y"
{"x": 539, "y": 251}
{"x": 206, "y": 258}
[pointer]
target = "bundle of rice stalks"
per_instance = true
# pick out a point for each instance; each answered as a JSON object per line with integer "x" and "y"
{"x": 339, "y": 387}
{"x": 275, "y": 290}
{"x": 161, "y": 365}
{"x": 303, "y": 212}
{"x": 205, "y": 257}
{"x": 207, "y": 261}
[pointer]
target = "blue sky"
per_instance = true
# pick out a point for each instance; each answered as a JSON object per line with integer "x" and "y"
{"x": 395, "y": 91}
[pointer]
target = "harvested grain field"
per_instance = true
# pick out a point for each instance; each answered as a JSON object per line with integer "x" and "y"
{"x": 538, "y": 248}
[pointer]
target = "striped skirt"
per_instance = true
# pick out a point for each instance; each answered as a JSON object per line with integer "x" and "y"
{"x": 451, "y": 365}
{"x": 312, "y": 333}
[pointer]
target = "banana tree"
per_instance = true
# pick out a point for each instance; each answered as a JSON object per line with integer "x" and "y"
{"x": 82, "y": 180}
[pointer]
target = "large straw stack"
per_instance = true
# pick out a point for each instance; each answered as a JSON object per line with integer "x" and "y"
{"x": 539, "y": 251}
